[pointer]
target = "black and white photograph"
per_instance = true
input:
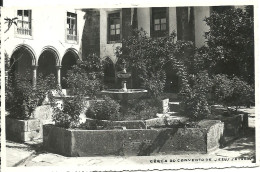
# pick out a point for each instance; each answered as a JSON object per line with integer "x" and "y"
{"x": 128, "y": 87}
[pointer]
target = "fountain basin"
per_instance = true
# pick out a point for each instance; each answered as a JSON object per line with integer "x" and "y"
{"x": 124, "y": 75}
{"x": 120, "y": 94}
{"x": 207, "y": 137}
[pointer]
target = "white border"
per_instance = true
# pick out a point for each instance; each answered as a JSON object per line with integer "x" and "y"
{"x": 132, "y": 3}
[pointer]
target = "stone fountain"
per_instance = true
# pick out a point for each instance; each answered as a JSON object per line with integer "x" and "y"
{"x": 124, "y": 94}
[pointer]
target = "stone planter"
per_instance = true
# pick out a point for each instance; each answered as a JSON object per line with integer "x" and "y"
{"x": 31, "y": 129}
{"x": 143, "y": 142}
{"x": 23, "y": 130}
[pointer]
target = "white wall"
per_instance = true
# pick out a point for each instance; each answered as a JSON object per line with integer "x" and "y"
{"x": 106, "y": 50}
{"x": 143, "y": 18}
{"x": 48, "y": 30}
{"x": 200, "y": 14}
{"x": 172, "y": 20}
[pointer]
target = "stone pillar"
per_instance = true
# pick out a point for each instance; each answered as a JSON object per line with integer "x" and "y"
{"x": 34, "y": 75}
{"x": 200, "y": 14}
{"x": 58, "y": 76}
{"x": 172, "y": 20}
{"x": 143, "y": 18}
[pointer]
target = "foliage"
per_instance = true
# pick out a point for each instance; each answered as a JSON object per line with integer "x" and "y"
{"x": 145, "y": 58}
{"x": 230, "y": 51}
{"x": 230, "y": 43}
{"x": 85, "y": 78}
{"x": 142, "y": 109}
{"x": 107, "y": 109}
{"x": 232, "y": 91}
{"x": 194, "y": 100}
{"x": 22, "y": 98}
{"x": 67, "y": 115}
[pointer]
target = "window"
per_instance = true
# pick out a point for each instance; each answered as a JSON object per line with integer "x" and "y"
{"x": 159, "y": 22}
{"x": 114, "y": 27}
{"x": 71, "y": 26}
{"x": 24, "y": 22}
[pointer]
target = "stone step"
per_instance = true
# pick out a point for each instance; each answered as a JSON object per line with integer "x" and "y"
{"x": 168, "y": 114}
{"x": 168, "y": 120}
{"x": 174, "y": 106}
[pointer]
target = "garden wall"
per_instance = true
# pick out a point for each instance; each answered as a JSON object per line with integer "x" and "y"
{"x": 206, "y": 137}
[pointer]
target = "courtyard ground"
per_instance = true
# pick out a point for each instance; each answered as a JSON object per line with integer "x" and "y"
{"x": 32, "y": 154}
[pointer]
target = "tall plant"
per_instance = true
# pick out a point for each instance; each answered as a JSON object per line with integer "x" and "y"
{"x": 85, "y": 79}
{"x": 146, "y": 57}
{"x": 22, "y": 98}
{"x": 230, "y": 43}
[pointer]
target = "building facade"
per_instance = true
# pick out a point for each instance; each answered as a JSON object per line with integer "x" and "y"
{"x": 42, "y": 40}
{"x": 51, "y": 40}
{"x": 187, "y": 22}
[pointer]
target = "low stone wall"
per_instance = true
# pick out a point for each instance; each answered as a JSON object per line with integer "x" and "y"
{"x": 22, "y": 130}
{"x": 234, "y": 125}
{"x": 135, "y": 124}
{"x": 139, "y": 124}
{"x": 143, "y": 142}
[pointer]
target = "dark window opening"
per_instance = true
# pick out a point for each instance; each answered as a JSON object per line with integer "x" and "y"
{"x": 114, "y": 27}
{"x": 159, "y": 23}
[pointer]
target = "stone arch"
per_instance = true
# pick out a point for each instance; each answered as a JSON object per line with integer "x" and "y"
{"x": 172, "y": 84}
{"x": 54, "y": 51}
{"x": 69, "y": 59}
{"x": 29, "y": 49}
{"x": 74, "y": 52}
{"x": 48, "y": 61}
{"x": 21, "y": 61}
{"x": 110, "y": 79}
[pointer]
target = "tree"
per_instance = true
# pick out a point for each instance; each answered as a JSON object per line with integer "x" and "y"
{"x": 230, "y": 43}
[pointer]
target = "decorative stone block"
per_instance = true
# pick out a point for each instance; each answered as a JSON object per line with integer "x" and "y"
{"x": 43, "y": 112}
{"x": 155, "y": 122}
{"x": 165, "y": 105}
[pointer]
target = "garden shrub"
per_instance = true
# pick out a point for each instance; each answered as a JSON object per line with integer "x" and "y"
{"x": 232, "y": 91}
{"x": 67, "y": 116}
{"x": 194, "y": 100}
{"x": 85, "y": 78}
{"x": 22, "y": 98}
{"x": 106, "y": 109}
{"x": 85, "y": 81}
{"x": 143, "y": 109}
{"x": 145, "y": 58}
{"x": 230, "y": 43}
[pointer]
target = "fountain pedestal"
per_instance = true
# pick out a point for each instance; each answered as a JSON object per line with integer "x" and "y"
{"x": 124, "y": 94}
